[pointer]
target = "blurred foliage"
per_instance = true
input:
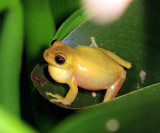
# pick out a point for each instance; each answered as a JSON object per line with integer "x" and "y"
{"x": 28, "y": 26}
{"x": 11, "y": 124}
{"x": 135, "y": 116}
{"x": 11, "y": 52}
{"x": 62, "y": 9}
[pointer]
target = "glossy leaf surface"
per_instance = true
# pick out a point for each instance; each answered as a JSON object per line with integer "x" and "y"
{"x": 133, "y": 37}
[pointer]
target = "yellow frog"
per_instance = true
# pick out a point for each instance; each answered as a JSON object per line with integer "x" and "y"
{"x": 91, "y": 68}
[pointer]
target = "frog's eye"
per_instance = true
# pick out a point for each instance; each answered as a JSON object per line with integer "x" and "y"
{"x": 59, "y": 59}
{"x": 53, "y": 42}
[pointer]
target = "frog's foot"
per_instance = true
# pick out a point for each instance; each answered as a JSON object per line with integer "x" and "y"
{"x": 57, "y": 98}
{"x": 93, "y": 44}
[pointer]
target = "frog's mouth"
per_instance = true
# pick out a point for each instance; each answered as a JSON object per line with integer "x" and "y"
{"x": 65, "y": 66}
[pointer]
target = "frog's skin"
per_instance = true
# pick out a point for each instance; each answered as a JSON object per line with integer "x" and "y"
{"x": 91, "y": 68}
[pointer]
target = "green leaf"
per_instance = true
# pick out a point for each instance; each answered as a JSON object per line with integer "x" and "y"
{"x": 131, "y": 113}
{"x": 11, "y": 38}
{"x": 3, "y": 5}
{"x": 131, "y": 37}
{"x": 61, "y": 9}
{"x": 39, "y": 29}
{"x": 10, "y": 124}
{"x": 75, "y": 19}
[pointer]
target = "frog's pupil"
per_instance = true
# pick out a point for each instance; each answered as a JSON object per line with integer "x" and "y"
{"x": 59, "y": 59}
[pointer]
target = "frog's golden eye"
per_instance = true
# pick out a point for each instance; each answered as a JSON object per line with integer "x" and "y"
{"x": 59, "y": 59}
{"x": 53, "y": 42}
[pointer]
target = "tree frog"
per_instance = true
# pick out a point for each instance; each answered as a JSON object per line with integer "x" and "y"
{"x": 91, "y": 68}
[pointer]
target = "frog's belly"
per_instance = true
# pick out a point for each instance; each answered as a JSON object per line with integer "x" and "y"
{"x": 97, "y": 81}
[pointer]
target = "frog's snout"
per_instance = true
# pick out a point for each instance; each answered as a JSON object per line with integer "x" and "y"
{"x": 47, "y": 55}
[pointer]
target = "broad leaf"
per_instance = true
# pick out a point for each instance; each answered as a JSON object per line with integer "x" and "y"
{"x": 136, "y": 112}
{"x": 133, "y": 37}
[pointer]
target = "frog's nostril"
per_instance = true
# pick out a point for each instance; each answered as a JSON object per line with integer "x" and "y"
{"x": 47, "y": 55}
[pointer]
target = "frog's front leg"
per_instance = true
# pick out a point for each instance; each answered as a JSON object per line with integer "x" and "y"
{"x": 71, "y": 95}
{"x": 113, "y": 90}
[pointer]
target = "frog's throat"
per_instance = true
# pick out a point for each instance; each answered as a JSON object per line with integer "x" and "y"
{"x": 57, "y": 66}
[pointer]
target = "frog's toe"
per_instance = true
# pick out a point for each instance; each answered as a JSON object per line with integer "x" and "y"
{"x": 53, "y": 95}
{"x": 57, "y": 98}
{"x": 61, "y": 100}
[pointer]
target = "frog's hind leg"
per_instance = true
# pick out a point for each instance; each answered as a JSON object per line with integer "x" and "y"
{"x": 118, "y": 59}
{"x": 113, "y": 90}
{"x": 112, "y": 55}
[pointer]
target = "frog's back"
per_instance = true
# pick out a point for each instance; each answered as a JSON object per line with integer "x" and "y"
{"x": 94, "y": 69}
{"x": 93, "y": 55}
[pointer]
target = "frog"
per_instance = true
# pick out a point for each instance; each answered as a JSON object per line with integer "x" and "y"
{"x": 88, "y": 67}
